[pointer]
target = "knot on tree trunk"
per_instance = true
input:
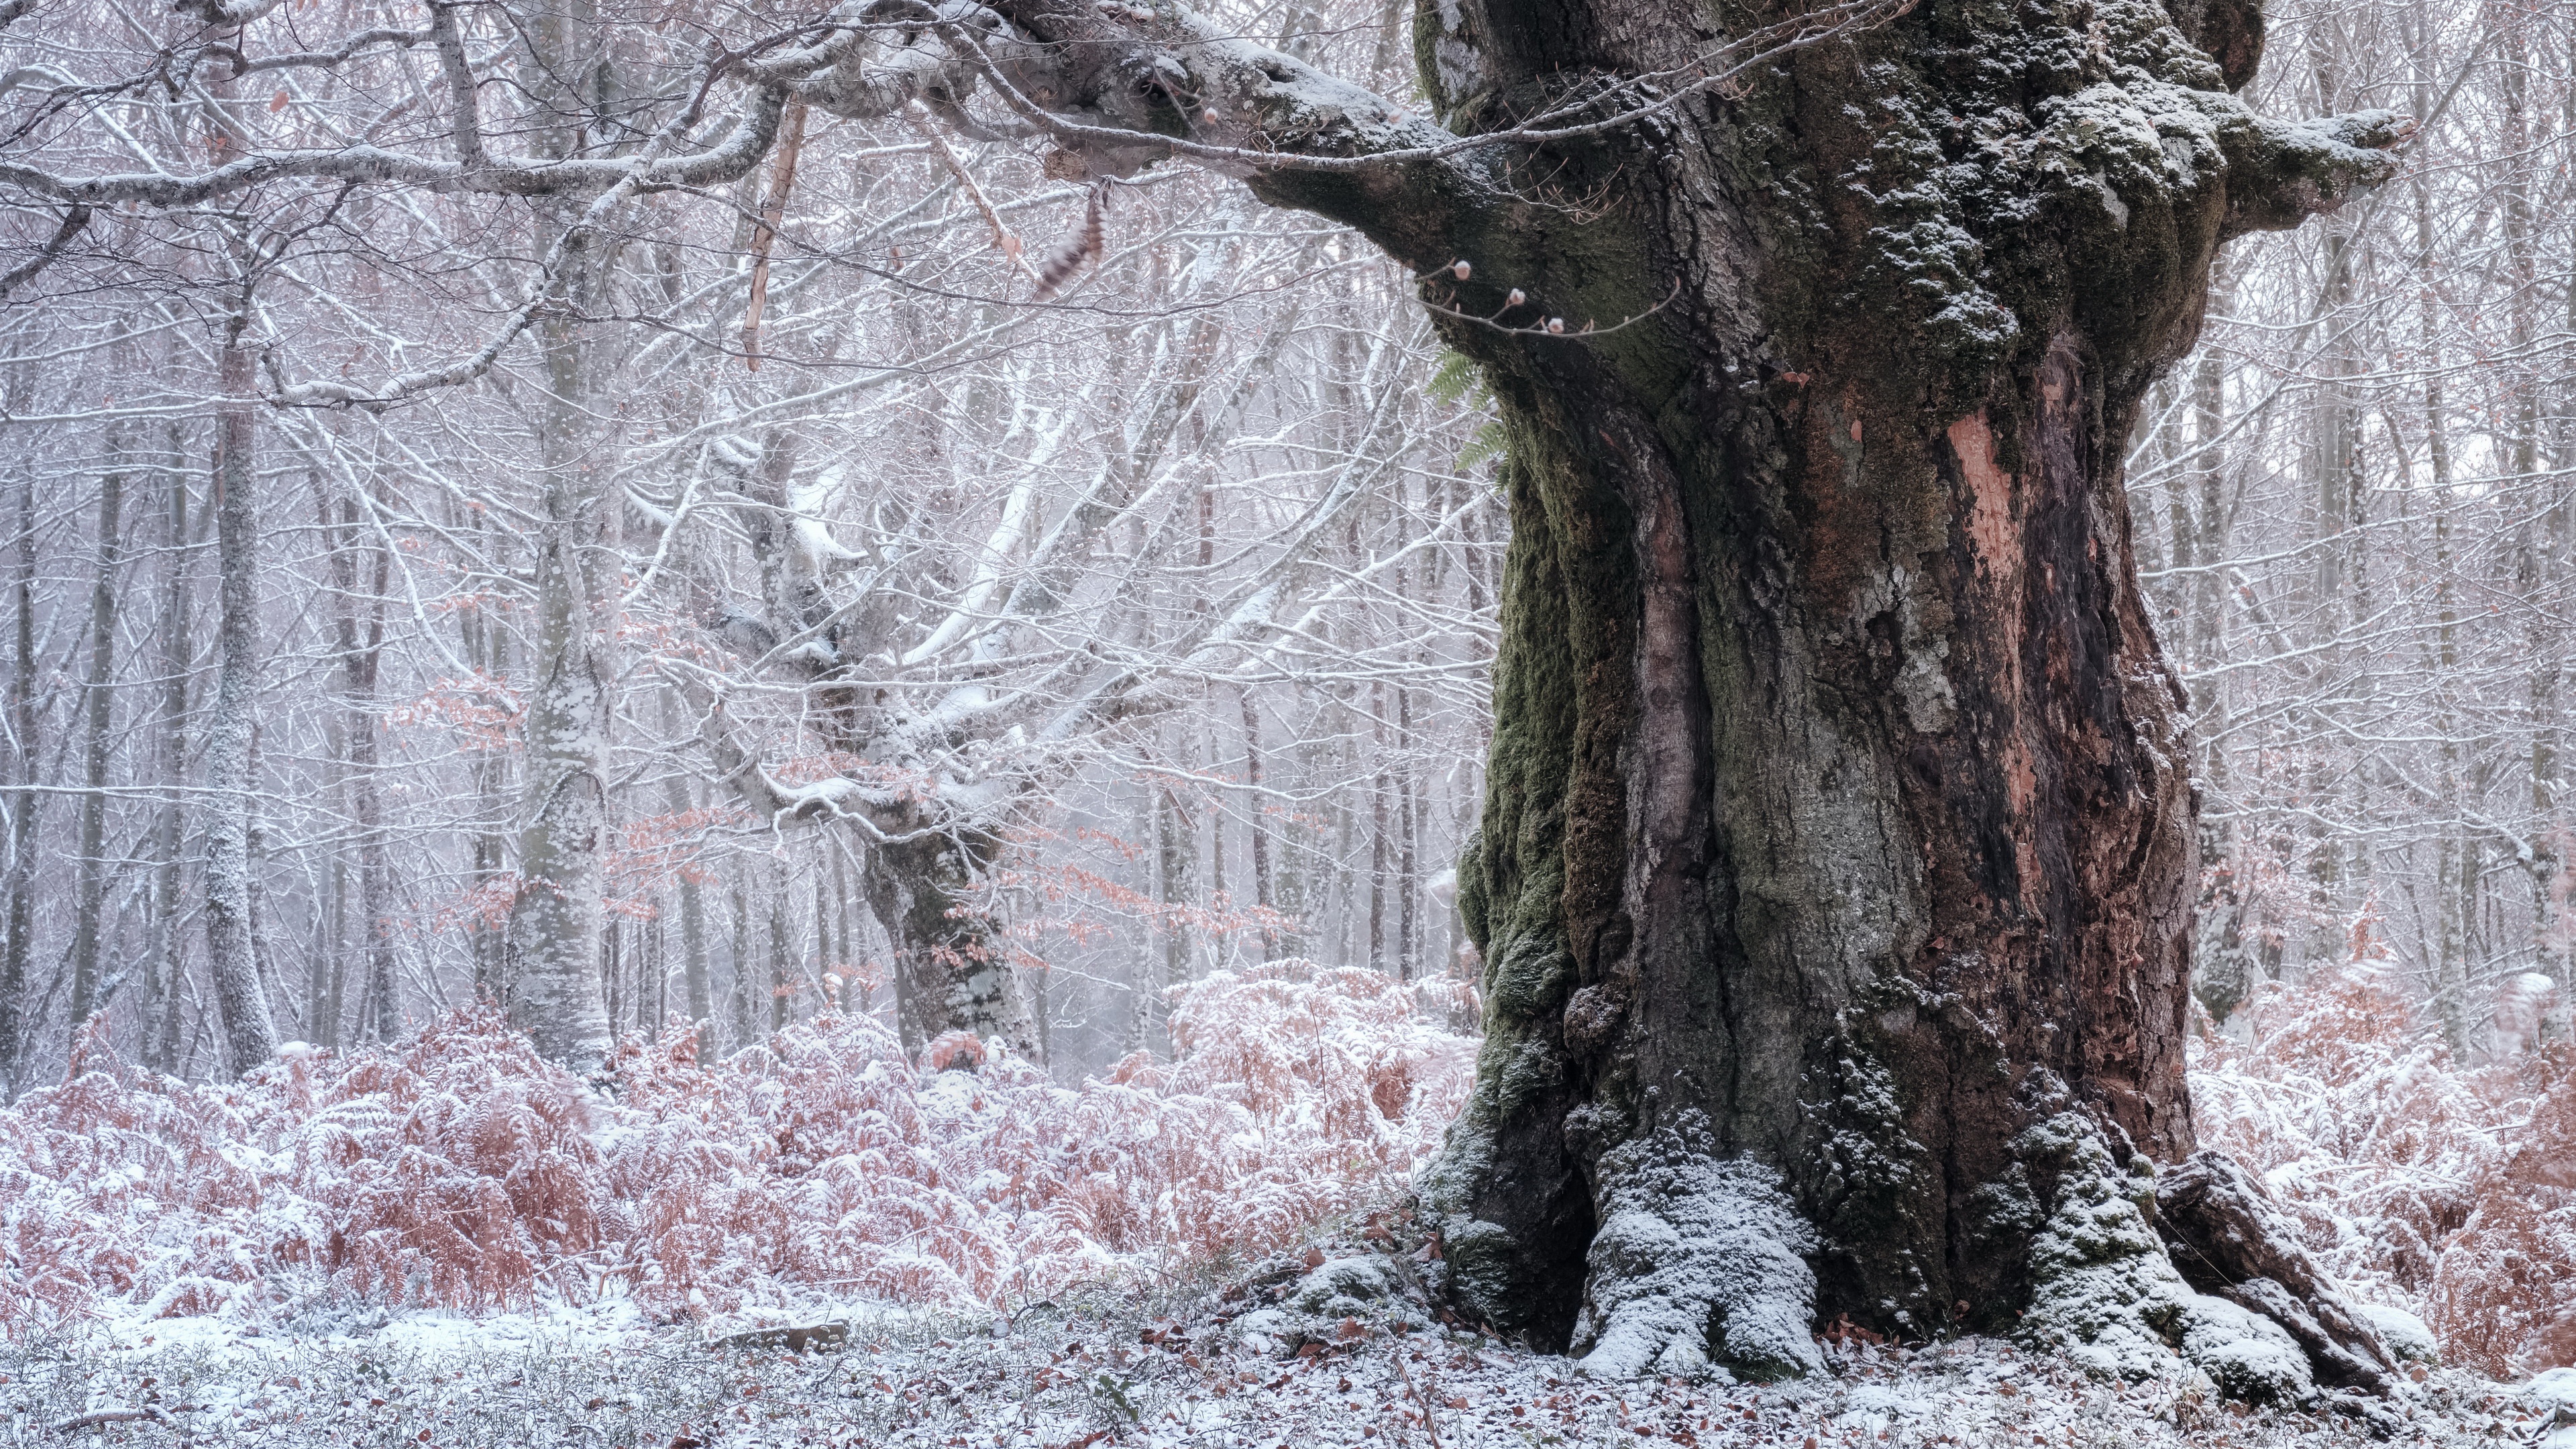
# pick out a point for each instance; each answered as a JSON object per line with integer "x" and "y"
{"x": 2230, "y": 1240}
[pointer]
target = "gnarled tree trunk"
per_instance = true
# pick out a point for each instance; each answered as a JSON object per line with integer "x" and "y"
{"x": 952, "y": 971}
{"x": 1837, "y": 868}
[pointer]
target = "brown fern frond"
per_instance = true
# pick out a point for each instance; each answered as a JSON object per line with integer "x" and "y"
{"x": 1076, "y": 251}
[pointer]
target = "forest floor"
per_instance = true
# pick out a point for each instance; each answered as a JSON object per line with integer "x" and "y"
{"x": 1195, "y": 1366}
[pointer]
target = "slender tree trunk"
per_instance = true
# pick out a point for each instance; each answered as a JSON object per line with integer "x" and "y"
{"x": 326, "y": 960}
{"x": 1264, "y": 888}
{"x": 383, "y": 1017}
{"x": 551, "y": 943}
{"x": 693, "y": 924}
{"x": 91, "y": 897}
{"x": 166, "y": 948}
{"x": 2534, "y": 556}
{"x": 22, "y": 813}
{"x": 1380, "y": 839}
{"x": 2225, "y": 970}
{"x": 361, "y": 572}
{"x": 744, "y": 988}
{"x": 781, "y": 942}
{"x": 249, "y": 1035}
{"x": 1408, "y": 860}
{"x": 550, "y": 969}
{"x": 486, "y": 649}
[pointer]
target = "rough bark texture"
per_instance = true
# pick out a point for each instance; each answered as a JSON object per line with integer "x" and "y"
{"x": 2230, "y": 1240}
{"x": 1839, "y": 848}
{"x": 951, "y": 972}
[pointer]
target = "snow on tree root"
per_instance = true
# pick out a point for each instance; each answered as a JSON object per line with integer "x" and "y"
{"x": 1697, "y": 1263}
{"x": 2106, "y": 1294}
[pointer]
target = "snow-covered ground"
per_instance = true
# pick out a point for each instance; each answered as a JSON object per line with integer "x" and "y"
{"x": 1199, "y": 1365}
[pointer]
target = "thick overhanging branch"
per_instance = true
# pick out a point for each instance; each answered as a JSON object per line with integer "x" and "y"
{"x": 2287, "y": 171}
{"x": 1125, "y": 87}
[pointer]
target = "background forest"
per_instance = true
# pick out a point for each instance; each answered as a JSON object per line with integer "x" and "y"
{"x": 339, "y": 530}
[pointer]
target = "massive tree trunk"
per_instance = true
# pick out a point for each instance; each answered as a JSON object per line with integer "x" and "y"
{"x": 952, "y": 970}
{"x": 1836, "y": 873}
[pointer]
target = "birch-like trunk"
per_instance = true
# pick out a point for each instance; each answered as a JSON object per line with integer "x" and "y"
{"x": 249, "y": 1034}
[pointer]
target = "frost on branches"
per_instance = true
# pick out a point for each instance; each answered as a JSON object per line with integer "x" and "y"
{"x": 462, "y": 1171}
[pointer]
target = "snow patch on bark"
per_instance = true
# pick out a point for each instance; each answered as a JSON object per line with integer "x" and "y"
{"x": 1698, "y": 1262}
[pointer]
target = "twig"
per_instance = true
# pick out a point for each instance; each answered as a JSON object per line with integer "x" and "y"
{"x": 111, "y": 1416}
{"x": 1397, "y": 1353}
{"x": 1004, "y": 239}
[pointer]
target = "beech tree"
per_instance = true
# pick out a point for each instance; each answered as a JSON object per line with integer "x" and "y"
{"x": 1836, "y": 878}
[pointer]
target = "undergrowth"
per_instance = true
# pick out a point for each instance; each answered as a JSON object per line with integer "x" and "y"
{"x": 460, "y": 1171}
{"x": 2427, "y": 1183}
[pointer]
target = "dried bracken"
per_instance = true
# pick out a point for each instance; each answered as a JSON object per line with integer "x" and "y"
{"x": 462, "y": 1171}
{"x": 2438, "y": 1188}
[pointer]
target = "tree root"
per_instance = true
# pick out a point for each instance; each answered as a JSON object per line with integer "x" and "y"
{"x": 2230, "y": 1241}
